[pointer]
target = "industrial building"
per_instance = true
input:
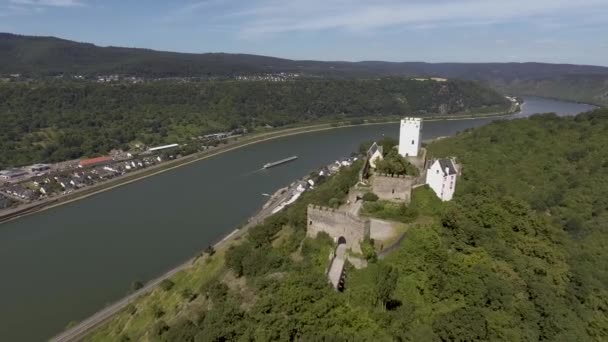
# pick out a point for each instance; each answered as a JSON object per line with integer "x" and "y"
{"x": 40, "y": 167}
{"x": 160, "y": 148}
{"x": 11, "y": 174}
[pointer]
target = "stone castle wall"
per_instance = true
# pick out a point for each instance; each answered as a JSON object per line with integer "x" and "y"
{"x": 393, "y": 187}
{"x": 338, "y": 224}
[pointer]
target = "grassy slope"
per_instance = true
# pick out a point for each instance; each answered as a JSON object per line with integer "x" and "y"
{"x": 139, "y": 323}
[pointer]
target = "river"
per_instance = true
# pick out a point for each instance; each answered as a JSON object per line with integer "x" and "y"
{"x": 65, "y": 263}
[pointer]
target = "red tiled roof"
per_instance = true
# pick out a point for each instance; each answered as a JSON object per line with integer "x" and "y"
{"x": 94, "y": 161}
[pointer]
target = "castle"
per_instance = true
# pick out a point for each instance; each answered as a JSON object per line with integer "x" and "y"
{"x": 348, "y": 229}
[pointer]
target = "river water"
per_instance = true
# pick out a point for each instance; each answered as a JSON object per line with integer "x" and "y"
{"x": 65, "y": 263}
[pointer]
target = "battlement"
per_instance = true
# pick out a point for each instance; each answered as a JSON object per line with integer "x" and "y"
{"x": 410, "y": 137}
{"x": 322, "y": 209}
{"x": 338, "y": 224}
{"x": 411, "y": 120}
{"x": 389, "y": 175}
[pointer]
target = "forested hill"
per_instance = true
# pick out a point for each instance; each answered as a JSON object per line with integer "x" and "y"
{"x": 46, "y": 56}
{"x": 519, "y": 254}
{"x": 49, "y": 56}
{"x": 53, "y": 121}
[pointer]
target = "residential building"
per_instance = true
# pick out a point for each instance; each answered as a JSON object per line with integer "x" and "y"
{"x": 441, "y": 176}
{"x": 5, "y": 202}
{"x": 21, "y": 192}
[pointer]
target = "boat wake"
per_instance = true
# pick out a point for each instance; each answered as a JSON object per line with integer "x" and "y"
{"x": 252, "y": 172}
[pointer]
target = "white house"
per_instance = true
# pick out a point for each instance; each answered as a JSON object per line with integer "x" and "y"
{"x": 374, "y": 154}
{"x": 441, "y": 177}
{"x": 410, "y": 137}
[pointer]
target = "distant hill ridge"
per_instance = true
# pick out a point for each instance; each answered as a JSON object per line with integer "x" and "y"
{"x": 48, "y": 56}
{"x": 51, "y": 55}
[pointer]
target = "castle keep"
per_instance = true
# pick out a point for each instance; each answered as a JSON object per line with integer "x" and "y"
{"x": 410, "y": 137}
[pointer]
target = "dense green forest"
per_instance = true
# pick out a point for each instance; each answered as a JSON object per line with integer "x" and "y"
{"x": 518, "y": 255}
{"x": 54, "y": 121}
{"x": 580, "y": 88}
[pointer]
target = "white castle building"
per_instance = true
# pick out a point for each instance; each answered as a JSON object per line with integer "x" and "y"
{"x": 410, "y": 137}
{"x": 441, "y": 177}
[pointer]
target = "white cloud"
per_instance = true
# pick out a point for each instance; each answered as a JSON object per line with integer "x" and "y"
{"x": 27, "y": 7}
{"x": 191, "y": 8}
{"x": 264, "y": 17}
{"x": 48, "y": 3}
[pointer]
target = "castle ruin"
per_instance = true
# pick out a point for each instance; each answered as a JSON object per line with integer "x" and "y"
{"x": 343, "y": 227}
{"x": 396, "y": 188}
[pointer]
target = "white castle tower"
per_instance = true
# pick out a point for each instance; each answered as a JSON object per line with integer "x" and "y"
{"x": 409, "y": 137}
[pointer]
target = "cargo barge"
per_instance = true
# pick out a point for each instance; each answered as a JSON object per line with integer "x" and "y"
{"x": 279, "y": 162}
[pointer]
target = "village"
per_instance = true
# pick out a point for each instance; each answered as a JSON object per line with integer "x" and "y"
{"x": 30, "y": 185}
{"x": 125, "y": 79}
{"x": 350, "y": 230}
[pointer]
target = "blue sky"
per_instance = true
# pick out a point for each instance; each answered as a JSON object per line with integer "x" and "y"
{"x": 558, "y": 31}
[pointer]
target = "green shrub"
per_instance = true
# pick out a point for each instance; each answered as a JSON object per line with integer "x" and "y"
{"x": 187, "y": 294}
{"x": 215, "y": 290}
{"x": 131, "y": 309}
{"x": 166, "y": 284}
{"x": 370, "y": 197}
{"x": 334, "y": 203}
{"x": 159, "y": 328}
{"x": 157, "y": 311}
{"x": 369, "y": 252}
{"x": 210, "y": 250}
{"x": 394, "y": 164}
{"x": 136, "y": 285}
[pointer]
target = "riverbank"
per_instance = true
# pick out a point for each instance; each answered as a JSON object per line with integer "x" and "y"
{"x": 102, "y": 325}
{"x": 35, "y": 207}
{"x": 81, "y": 330}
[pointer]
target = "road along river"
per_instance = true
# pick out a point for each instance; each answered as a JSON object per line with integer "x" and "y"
{"x": 67, "y": 262}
